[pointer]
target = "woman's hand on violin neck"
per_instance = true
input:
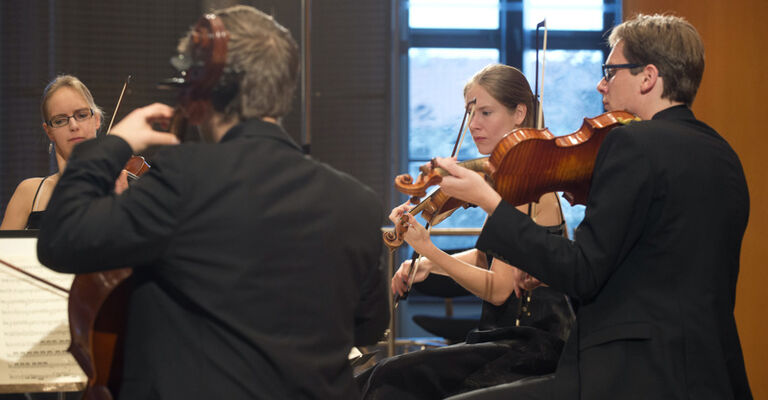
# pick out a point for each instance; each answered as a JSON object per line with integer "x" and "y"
{"x": 400, "y": 279}
{"x": 397, "y": 213}
{"x": 136, "y": 128}
{"x": 417, "y": 236}
{"x": 467, "y": 185}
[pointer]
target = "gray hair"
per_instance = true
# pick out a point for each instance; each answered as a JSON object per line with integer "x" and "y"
{"x": 264, "y": 59}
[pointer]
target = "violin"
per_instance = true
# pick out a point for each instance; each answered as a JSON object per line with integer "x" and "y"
{"x": 439, "y": 207}
{"x": 524, "y": 165}
{"x": 436, "y": 207}
{"x": 98, "y": 301}
{"x": 136, "y": 167}
{"x": 529, "y": 162}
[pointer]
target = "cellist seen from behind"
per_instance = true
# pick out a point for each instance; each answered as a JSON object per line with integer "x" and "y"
{"x": 255, "y": 268}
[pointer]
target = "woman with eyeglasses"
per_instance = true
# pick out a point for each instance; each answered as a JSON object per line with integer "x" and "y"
{"x": 70, "y": 116}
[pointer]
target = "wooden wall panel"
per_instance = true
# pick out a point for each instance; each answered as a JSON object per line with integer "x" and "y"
{"x": 732, "y": 100}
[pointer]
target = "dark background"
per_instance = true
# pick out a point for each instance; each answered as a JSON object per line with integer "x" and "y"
{"x": 350, "y": 95}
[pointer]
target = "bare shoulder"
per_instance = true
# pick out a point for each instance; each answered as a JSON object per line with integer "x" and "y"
{"x": 549, "y": 213}
{"x": 20, "y": 205}
{"x": 27, "y": 188}
{"x": 546, "y": 211}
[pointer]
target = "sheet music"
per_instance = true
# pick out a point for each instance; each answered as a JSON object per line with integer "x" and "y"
{"x": 34, "y": 328}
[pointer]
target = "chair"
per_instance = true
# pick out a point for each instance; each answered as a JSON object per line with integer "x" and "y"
{"x": 453, "y": 329}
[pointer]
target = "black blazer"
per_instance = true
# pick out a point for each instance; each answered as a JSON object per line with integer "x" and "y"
{"x": 653, "y": 265}
{"x": 257, "y": 268}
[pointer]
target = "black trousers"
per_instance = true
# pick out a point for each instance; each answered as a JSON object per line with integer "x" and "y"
{"x": 533, "y": 388}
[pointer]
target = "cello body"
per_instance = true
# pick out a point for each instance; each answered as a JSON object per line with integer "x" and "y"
{"x": 97, "y": 306}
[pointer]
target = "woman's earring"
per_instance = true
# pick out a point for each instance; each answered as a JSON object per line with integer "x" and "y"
{"x": 50, "y": 147}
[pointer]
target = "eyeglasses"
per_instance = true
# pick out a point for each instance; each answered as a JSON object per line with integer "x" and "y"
{"x": 57, "y": 121}
{"x": 608, "y": 69}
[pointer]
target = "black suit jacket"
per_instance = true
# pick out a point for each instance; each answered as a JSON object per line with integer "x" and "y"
{"x": 653, "y": 265}
{"x": 257, "y": 268}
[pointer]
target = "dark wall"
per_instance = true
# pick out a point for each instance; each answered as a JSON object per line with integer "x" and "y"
{"x": 99, "y": 42}
{"x": 103, "y": 42}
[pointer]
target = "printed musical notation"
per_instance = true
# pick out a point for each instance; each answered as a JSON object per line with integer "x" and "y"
{"x": 34, "y": 329}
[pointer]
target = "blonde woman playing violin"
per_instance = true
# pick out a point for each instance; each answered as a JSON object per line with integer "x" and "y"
{"x": 70, "y": 116}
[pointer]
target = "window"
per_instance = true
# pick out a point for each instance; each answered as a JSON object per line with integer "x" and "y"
{"x": 449, "y": 40}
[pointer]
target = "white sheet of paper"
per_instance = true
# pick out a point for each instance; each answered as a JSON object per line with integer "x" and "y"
{"x": 34, "y": 324}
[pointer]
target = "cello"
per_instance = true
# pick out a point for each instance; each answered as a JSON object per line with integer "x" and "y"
{"x": 98, "y": 301}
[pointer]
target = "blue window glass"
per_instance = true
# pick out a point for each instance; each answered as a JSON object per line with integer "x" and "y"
{"x": 490, "y": 31}
{"x": 453, "y": 14}
{"x": 437, "y": 72}
{"x": 436, "y": 107}
{"x": 582, "y": 15}
{"x": 569, "y": 96}
{"x": 436, "y": 103}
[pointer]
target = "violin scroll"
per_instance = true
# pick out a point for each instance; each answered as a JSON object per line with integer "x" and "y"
{"x": 431, "y": 175}
{"x": 200, "y": 72}
{"x": 406, "y": 185}
{"x": 435, "y": 209}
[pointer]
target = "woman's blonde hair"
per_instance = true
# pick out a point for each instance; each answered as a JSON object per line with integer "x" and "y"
{"x": 71, "y": 82}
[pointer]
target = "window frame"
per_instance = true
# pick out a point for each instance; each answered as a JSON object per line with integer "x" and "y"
{"x": 511, "y": 39}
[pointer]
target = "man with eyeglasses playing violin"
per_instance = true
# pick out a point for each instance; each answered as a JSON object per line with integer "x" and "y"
{"x": 653, "y": 266}
{"x": 255, "y": 267}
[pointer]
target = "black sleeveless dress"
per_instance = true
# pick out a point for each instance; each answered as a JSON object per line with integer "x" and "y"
{"x": 33, "y": 221}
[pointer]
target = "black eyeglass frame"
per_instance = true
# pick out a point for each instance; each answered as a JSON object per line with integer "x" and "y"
{"x": 607, "y": 67}
{"x": 74, "y": 115}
